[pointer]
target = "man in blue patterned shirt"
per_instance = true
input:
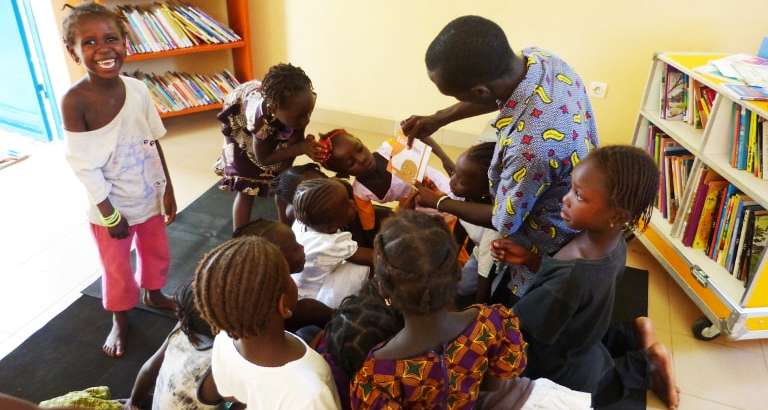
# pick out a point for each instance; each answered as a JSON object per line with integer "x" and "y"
{"x": 544, "y": 128}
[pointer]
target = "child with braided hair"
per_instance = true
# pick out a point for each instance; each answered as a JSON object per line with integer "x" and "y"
{"x": 243, "y": 290}
{"x": 335, "y": 266}
{"x": 263, "y": 123}
{"x": 441, "y": 356}
{"x": 176, "y": 371}
{"x": 566, "y": 313}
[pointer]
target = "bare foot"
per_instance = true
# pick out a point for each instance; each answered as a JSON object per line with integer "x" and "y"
{"x": 114, "y": 346}
{"x": 662, "y": 375}
{"x": 645, "y": 332}
{"x": 157, "y": 299}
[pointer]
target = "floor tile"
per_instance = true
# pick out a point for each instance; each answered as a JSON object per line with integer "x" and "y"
{"x": 720, "y": 373}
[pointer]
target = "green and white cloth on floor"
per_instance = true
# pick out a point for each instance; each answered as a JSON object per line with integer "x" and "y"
{"x": 91, "y": 398}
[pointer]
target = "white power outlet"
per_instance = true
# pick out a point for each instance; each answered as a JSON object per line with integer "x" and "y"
{"x": 597, "y": 89}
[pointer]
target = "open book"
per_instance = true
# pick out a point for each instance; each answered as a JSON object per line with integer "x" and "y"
{"x": 408, "y": 164}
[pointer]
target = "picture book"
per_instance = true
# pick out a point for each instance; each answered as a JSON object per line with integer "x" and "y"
{"x": 408, "y": 164}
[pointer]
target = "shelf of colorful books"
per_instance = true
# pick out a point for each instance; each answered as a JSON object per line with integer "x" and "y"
{"x": 201, "y": 108}
{"x": 182, "y": 51}
{"x": 719, "y": 277}
{"x": 754, "y": 187}
{"x": 688, "y": 136}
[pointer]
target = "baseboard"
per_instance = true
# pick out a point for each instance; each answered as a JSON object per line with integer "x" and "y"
{"x": 385, "y": 126}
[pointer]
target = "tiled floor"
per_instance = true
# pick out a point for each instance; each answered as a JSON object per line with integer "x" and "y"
{"x": 48, "y": 256}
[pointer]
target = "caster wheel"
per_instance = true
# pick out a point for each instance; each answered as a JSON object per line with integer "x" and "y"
{"x": 703, "y": 329}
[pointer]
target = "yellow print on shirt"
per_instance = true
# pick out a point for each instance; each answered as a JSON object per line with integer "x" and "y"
{"x": 509, "y": 207}
{"x": 520, "y": 126}
{"x": 588, "y": 144}
{"x": 575, "y": 158}
{"x": 552, "y": 232}
{"x": 531, "y": 60}
{"x": 553, "y": 134}
{"x": 553, "y": 164}
{"x": 539, "y": 90}
{"x": 519, "y": 174}
{"x": 564, "y": 78}
{"x": 506, "y": 141}
{"x": 503, "y": 122}
{"x": 577, "y": 118}
{"x": 532, "y": 224}
{"x": 495, "y": 205}
{"x": 542, "y": 188}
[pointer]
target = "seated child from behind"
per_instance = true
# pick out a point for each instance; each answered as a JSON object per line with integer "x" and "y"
{"x": 176, "y": 370}
{"x": 335, "y": 266}
{"x": 243, "y": 290}
{"x": 308, "y": 311}
{"x": 285, "y": 188}
{"x": 416, "y": 272}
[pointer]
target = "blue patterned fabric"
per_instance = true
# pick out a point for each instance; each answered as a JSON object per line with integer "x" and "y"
{"x": 544, "y": 129}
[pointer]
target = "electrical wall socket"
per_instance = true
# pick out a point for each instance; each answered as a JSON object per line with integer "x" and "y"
{"x": 597, "y": 89}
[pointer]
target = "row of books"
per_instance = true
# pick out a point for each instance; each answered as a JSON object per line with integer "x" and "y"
{"x": 685, "y": 99}
{"x": 176, "y": 91}
{"x": 702, "y": 101}
{"x": 725, "y": 224}
{"x": 749, "y": 152}
{"x": 171, "y": 25}
{"x": 675, "y": 163}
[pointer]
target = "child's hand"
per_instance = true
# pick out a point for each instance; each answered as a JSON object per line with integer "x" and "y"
{"x": 169, "y": 204}
{"x": 314, "y": 149}
{"x": 506, "y": 250}
{"x": 417, "y": 126}
{"x": 119, "y": 231}
{"x": 409, "y": 201}
{"x": 428, "y": 194}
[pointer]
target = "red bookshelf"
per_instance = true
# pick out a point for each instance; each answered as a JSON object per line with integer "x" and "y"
{"x": 193, "y": 110}
{"x": 182, "y": 51}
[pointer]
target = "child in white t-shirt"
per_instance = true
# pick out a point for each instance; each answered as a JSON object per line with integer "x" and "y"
{"x": 243, "y": 290}
{"x": 335, "y": 266}
{"x": 112, "y": 130}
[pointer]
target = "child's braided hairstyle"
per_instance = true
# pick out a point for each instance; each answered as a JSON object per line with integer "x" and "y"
{"x": 189, "y": 318}
{"x": 313, "y": 201}
{"x": 361, "y": 322}
{"x": 415, "y": 262}
{"x": 481, "y": 154}
{"x": 85, "y": 11}
{"x": 283, "y": 81}
{"x": 288, "y": 180}
{"x": 632, "y": 178}
{"x": 238, "y": 283}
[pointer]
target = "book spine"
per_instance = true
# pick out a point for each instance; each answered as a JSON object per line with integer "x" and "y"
{"x": 743, "y": 137}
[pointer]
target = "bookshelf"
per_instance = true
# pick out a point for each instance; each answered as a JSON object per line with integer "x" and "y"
{"x": 731, "y": 306}
{"x": 240, "y": 51}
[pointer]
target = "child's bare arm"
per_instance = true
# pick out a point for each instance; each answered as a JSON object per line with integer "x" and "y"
{"x": 417, "y": 126}
{"x": 169, "y": 198}
{"x": 472, "y": 212}
{"x": 297, "y": 145}
{"x": 483, "y": 294}
{"x": 147, "y": 376}
{"x": 72, "y": 112}
{"x": 448, "y": 164}
{"x": 363, "y": 256}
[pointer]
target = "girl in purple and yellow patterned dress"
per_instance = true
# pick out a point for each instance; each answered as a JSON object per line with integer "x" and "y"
{"x": 263, "y": 125}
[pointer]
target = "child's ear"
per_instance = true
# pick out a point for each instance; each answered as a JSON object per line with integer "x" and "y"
{"x": 283, "y": 307}
{"x": 72, "y": 54}
{"x": 619, "y": 218}
{"x": 481, "y": 90}
{"x": 289, "y": 212}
